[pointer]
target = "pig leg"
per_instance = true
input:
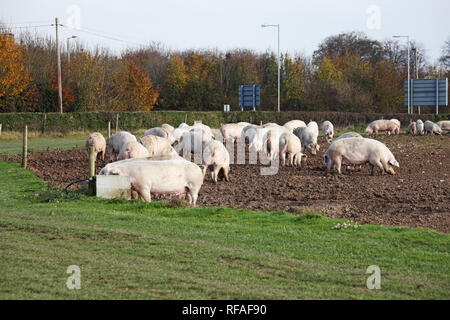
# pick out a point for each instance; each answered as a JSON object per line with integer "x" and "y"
{"x": 378, "y": 164}
{"x": 337, "y": 165}
{"x": 192, "y": 196}
{"x": 291, "y": 159}
{"x": 215, "y": 173}
{"x": 372, "y": 169}
{"x": 204, "y": 168}
{"x": 283, "y": 159}
{"x": 329, "y": 165}
{"x": 144, "y": 192}
{"x": 225, "y": 173}
{"x": 385, "y": 165}
{"x": 189, "y": 197}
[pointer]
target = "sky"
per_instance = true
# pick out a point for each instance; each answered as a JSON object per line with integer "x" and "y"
{"x": 229, "y": 24}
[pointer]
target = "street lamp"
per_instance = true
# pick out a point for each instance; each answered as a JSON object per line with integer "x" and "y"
{"x": 409, "y": 99}
{"x": 68, "y": 48}
{"x": 278, "y": 26}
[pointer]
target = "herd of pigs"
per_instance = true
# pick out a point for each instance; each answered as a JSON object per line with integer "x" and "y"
{"x": 159, "y": 163}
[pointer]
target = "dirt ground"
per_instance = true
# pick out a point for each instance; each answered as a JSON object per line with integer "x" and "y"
{"x": 418, "y": 195}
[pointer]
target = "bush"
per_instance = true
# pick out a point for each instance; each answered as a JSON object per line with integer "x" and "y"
{"x": 94, "y": 121}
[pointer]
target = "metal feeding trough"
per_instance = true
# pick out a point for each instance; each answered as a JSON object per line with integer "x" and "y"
{"x": 113, "y": 186}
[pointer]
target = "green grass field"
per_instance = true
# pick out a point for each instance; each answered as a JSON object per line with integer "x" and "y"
{"x": 136, "y": 250}
{"x": 11, "y": 142}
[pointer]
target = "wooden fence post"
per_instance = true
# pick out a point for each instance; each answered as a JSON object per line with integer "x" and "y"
{"x": 25, "y": 147}
{"x": 92, "y": 156}
{"x": 45, "y": 123}
{"x": 0, "y": 129}
{"x": 109, "y": 129}
{"x": 117, "y": 123}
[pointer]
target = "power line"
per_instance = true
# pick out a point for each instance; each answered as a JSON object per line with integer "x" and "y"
{"x": 24, "y": 27}
{"x": 104, "y": 35}
{"x": 25, "y": 22}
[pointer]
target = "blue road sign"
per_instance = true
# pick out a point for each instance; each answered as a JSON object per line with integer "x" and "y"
{"x": 427, "y": 92}
{"x": 249, "y": 96}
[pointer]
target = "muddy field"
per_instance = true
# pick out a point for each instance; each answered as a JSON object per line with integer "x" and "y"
{"x": 417, "y": 196}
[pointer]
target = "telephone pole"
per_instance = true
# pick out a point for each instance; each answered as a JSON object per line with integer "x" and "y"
{"x": 58, "y": 54}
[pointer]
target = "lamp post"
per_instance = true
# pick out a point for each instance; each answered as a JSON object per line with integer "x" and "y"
{"x": 278, "y": 27}
{"x": 409, "y": 99}
{"x": 417, "y": 72}
{"x": 68, "y": 48}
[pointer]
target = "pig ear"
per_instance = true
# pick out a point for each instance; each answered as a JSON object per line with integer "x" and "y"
{"x": 394, "y": 163}
{"x": 114, "y": 171}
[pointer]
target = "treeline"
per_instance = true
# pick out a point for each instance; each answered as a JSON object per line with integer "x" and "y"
{"x": 348, "y": 72}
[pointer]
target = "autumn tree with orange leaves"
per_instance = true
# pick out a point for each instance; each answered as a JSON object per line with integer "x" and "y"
{"x": 17, "y": 92}
{"x": 133, "y": 88}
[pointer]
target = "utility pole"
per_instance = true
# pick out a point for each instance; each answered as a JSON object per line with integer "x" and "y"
{"x": 278, "y": 60}
{"x": 417, "y": 73}
{"x": 279, "y": 67}
{"x": 58, "y": 57}
{"x": 410, "y": 108}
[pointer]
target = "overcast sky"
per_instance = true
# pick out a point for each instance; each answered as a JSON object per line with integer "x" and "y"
{"x": 225, "y": 24}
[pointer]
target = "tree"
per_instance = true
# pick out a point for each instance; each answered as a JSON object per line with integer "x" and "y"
{"x": 388, "y": 87}
{"x": 84, "y": 77}
{"x": 292, "y": 81}
{"x": 350, "y": 43}
{"x": 175, "y": 82}
{"x": 17, "y": 92}
{"x": 445, "y": 54}
{"x": 327, "y": 70}
{"x": 134, "y": 88}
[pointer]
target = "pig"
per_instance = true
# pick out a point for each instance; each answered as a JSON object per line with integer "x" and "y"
{"x": 116, "y": 142}
{"x": 232, "y": 131}
{"x": 382, "y": 125}
{"x": 420, "y": 129}
{"x": 308, "y": 137}
{"x": 248, "y": 132}
{"x": 157, "y": 146}
{"x": 193, "y": 141}
{"x": 357, "y": 151}
{"x": 397, "y": 129}
{"x": 273, "y": 140}
{"x": 177, "y": 133}
{"x": 293, "y": 124}
{"x": 97, "y": 141}
{"x": 167, "y": 127}
{"x": 159, "y": 177}
{"x": 216, "y": 158}
{"x": 444, "y": 125}
{"x": 157, "y": 131}
{"x": 205, "y": 129}
{"x": 185, "y": 126}
{"x": 160, "y": 132}
{"x": 291, "y": 146}
{"x": 259, "y": 137}
{"x": 328, "y": 130}
{"x": 346, "y": 135}
{"x": 350, "y": 134}
{"x": 132, "y": 149}
{"x": 412, "y": 128}
{"x": 270, "y": 124}
{"x": 431, "y": 127}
